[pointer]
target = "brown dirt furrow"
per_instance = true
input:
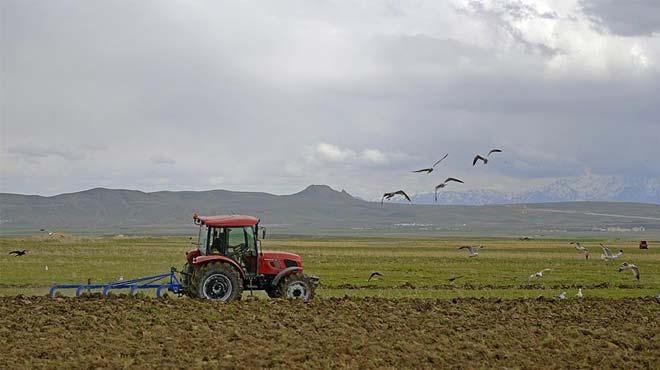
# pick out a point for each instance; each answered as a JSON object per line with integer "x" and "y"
{"x": 124, "y": 332}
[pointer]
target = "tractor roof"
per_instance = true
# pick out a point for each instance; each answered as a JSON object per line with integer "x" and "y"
{"x": 226, "y": 220}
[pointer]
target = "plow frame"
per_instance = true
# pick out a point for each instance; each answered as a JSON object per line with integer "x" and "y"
{"x": 172, "y": 284}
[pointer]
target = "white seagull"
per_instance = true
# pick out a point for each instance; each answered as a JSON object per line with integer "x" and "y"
{"x": 580, "y": 248}
{"x": 608, "y": 255}
{"x": 474, "y": 251}
{"x": 561, "y": 296}
{"x": 579, "y": 293}
{"x": 630, "y": 266}
{"x": 538, "y": 274}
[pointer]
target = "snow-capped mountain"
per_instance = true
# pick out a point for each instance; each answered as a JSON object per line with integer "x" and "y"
{"x": 584, "y": 188}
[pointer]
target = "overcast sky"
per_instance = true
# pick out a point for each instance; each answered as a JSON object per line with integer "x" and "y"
{"x": 276, "y": 95}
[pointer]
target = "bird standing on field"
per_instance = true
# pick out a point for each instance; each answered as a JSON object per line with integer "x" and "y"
{"x": 478, "y": 157}
{"x": 561, "y": 296}
{"x": 579, "y": 293}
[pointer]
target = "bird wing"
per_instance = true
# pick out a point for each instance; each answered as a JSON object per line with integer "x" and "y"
{"x": 382, "y": 199}
{"x": 495, "y": 151}
{"x": 14, "y": 252}
{"x": 477, "y": 158}
{"x": 464, "y": 247}
{"x": 636, "y": 271}
{"x": 544, "y": 270}
{"x": 454, "y": 180}
{"x": 374, "y": 274}
{"x": 401, "y": 192}
{"x": 441, "y": 159}
{"x": 427, "y": 170}
{"x": 606, "y": 250}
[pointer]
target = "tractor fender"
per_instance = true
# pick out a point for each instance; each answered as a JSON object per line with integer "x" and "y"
{"x": 202, "y": 260}
{"x": 286, "y": 272}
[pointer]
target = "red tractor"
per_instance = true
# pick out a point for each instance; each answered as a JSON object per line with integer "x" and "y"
{"x": 229, "y": 259}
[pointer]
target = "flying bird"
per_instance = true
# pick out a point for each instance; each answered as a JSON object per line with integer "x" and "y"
{"x": 442, "y": 185}
{"x": 374, "y": 274}
{"x": 630, "y": 266}
{"x": 579, "y": 247}
{"x": 579, "y": 294}
{"x": 479, "y": 157}
{"x": 452, "y": 279}
{"x": 18, "y": 253}
{"x": 538, "y": 274}
{"x": 474, "y": 251}
{"x": 608, "y": 255}
{"x": 430, "y": 169}
{"x": 388, "y": 196}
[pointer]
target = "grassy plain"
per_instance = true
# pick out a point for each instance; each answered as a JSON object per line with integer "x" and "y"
{"x": 411, "y": 267}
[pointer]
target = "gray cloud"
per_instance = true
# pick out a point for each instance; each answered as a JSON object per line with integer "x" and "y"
{"x": 625, "y": 18}
{"x": 161, "y": 159}
{"x": 387, "y": 87}
{"x": 31, "y": 152}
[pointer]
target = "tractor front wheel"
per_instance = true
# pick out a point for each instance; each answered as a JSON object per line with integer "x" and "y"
{"x": 218, "y": 282}
{"x": 297, "y": 286}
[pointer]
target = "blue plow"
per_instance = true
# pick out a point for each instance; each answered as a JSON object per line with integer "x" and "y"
{"x": 160, "y": 282}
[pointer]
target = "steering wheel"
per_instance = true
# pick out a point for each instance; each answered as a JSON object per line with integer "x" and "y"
{"x": 242, "y": 248}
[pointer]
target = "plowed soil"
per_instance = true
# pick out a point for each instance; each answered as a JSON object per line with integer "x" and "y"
{"x": 40, "y": 332}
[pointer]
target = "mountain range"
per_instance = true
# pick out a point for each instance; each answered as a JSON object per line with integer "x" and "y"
{"x": 584, "y": 188}
{"x": 318, "y": 209}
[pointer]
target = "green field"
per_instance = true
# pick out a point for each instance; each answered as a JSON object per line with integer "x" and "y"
{"x": 411, "y": 267}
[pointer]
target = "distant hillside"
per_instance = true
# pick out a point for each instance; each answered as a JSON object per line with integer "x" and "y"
{"x": 316, "y": 210}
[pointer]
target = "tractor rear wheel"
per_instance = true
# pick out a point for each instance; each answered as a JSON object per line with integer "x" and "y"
{"x": 296, "y": 286}
{"x": 218, "y": 281}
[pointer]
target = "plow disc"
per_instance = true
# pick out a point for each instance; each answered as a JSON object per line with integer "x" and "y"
{"x": 167, "y": 281}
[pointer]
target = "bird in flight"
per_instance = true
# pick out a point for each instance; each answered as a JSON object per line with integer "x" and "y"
{"x": 485, "y": 159}
{"x": 391, "y": 195}
{"x": 18, "y": 253}
{"x": 630, "y": 266}
{"x": 582, "y": 249}
{"x": 579, "y": 247}
{"x": 442, "y": 185}
{"x": 430, "y": 169}
{"x": 608, "y": 255}
{"x": 474, "y": 251}
{"x": 452, "y": 279}
{"x": 538, "y": 274}
{"x": 374, "y": 274}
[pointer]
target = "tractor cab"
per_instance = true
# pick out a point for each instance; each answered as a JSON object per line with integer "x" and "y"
{"x": 234, "y": 237}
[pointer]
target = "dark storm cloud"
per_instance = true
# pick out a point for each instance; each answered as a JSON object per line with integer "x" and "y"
{"x": 625, "y": 18}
